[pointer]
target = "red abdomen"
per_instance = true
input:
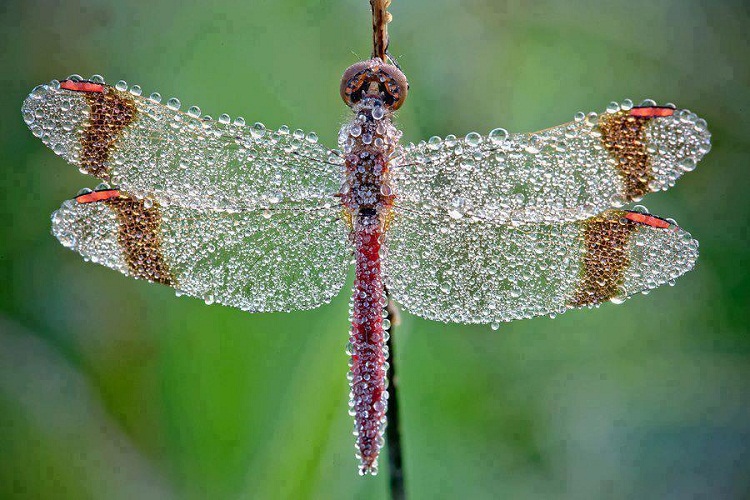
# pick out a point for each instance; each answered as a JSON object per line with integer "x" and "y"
{"x": 369, "y": 398}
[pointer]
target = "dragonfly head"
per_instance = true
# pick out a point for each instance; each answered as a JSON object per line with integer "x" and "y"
{"x": 374, "y": 78}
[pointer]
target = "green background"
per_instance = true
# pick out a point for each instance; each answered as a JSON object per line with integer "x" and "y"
{"x": 113, "y": 388}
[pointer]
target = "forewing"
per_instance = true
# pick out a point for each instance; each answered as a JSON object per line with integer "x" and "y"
{"x": 468, "y": 271}
{"x": 272, "y": 260}
{"x": 569, "y": 172}
{"x": 153, "y": 150}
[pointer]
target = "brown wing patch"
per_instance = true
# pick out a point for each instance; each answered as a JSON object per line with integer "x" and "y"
{"x": 81, "y": 86}
{"x": 606, "y": 257}
{"x": 139, "y": 238}
{"x": 624, "y": 137}
{"x": 95, "y": 196}
{"x": 111, "y": 112}
{"x": 652, "y": 111}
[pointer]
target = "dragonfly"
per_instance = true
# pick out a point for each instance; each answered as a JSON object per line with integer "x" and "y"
{"x": 478, "y": 229}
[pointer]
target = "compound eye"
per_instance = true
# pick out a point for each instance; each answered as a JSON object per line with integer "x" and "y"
{"x": 353, "y": 82}
{"x": 390, "y": 81}
{"x": 396, "y": 84}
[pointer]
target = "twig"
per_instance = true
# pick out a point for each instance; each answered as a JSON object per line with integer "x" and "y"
{"x": 393, "y": 431}
{"x": 380, "y": 19}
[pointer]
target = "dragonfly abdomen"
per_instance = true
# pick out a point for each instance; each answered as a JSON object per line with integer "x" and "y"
{"x": 367, "y": 343}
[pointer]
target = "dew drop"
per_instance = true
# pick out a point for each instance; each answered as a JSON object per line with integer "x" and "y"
{"x": 687, "y": 165}
{"x": 473, "y": 139}
{"x": 454, "y": 214}
{"x": 174, "y": 103}
{"x": 275, "y": 198}
{"x": 591, "y": 119}
{"x": 620, "y": 297}
{"x": 258, "y": 130}
{"x": 498, "y": 136}
{"x": 38, "y": 92}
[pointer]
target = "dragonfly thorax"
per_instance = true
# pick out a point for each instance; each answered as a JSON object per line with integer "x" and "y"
{"x": 368, "y": 141}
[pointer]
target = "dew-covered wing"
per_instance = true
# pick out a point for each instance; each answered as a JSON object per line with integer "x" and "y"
{"x": 273, "y": 260}
{"x": 568, "y": 172}
{"x": 468, "y": 271}
{"x": 153, "y": 150}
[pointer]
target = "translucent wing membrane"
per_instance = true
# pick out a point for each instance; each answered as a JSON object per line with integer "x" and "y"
{"x": 567, "y": 173}
{"x": 467, "y": 271}
{"x": 154, "y": 150}
{"x": 272, "y": 260}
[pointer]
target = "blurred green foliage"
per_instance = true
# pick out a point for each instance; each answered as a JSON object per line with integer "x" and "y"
{"x": 112, "y": 388}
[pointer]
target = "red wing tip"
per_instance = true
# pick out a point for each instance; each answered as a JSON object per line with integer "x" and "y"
{"x": 648, "y": 220}
{"x": 98, "y": 196}
{"x": 81, "y": 86}
{"x": 652, "y": 111}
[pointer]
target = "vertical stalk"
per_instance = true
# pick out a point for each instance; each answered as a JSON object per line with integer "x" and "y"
{"x": 380, "y": 19}
{"x": 393, "y": 430}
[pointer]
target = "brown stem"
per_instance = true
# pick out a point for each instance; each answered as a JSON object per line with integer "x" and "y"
{"x": 393, "y": 431}
{"x": 380, "y": 19}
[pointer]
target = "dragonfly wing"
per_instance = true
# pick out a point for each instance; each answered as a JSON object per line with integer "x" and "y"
{"x": 569, "y": 172}
{"x": 468, "y": 271}
{"x": 277, "y": 260}
{"x": 153, "y": 150}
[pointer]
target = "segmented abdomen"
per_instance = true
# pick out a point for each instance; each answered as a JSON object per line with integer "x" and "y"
{"x": 369, "y": 398}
